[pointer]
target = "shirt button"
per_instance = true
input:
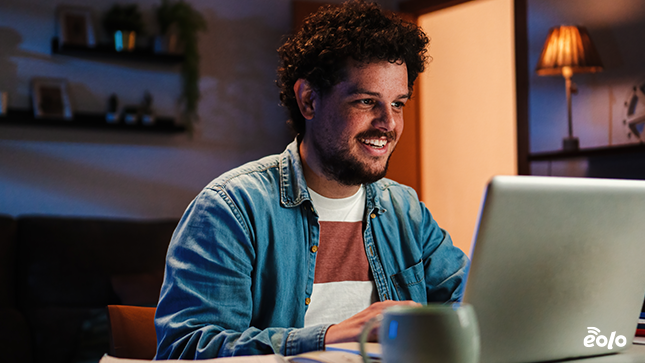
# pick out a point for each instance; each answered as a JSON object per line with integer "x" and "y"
{"x": 307, "y": 301}
{"x": 314, "y": 249}
{"x": 373, "y": 215}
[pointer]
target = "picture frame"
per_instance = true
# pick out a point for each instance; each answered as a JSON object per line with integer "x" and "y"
{"x": 50, "y": 98}
{"x": 75, "y": 26}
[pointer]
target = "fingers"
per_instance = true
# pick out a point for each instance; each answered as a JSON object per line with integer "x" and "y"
{"x": 378, "y": 308}
{"x": 350, "y": 329}
{"x": 389, "y": 303}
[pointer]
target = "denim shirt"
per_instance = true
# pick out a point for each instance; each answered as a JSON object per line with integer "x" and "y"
{"x": 240, "y": 266}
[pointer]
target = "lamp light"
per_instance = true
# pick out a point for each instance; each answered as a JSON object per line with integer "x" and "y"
{"x": 568, "y": 50}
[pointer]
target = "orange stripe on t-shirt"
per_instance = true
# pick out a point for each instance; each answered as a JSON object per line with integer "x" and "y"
{"x": 341, "y": 255}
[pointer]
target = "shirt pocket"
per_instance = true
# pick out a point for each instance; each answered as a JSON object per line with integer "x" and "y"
{"x": 410, "y": 283}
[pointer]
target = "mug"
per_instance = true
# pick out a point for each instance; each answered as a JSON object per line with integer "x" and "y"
{"x": 435, "y": 333}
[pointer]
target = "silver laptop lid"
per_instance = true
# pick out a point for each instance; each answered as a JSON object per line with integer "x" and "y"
{"x": 553, "y": 258}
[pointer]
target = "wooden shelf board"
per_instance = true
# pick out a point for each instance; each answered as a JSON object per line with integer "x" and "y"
{"x": 86, "y": 120}
{"x": 105, "y": 51}
{"x": 589, "y": 152}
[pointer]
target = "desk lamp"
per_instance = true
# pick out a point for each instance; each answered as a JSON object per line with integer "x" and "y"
{"x": 568, "y": 50}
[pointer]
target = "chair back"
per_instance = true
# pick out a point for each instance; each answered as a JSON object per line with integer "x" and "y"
{"x": 132, "y": 332}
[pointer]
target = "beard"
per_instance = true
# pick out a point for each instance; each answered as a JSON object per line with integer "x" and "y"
{"x": 340, "y": 165}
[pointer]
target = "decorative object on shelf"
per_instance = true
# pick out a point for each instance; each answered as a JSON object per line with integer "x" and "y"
{"x": 50, "y": 98}
{"x": 147, "y": 114}
{"x": 181, "y": 18}
{"x": 568, "y": 50}
{"x": 124, "y": 40}
{"x": 112, "y": 114}
{"x": 634, "y": 121}
{"x": 167, "y": 42}
{"x": 131, "y": 115}
{"x": 124, "y": 23}
{"x": 4, "y": 103}
{"x": 75, "y": 26}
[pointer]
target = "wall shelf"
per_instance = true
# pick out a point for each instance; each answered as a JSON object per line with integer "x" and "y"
{"x": 87, "y": 120}
{"x": 628, "y": 149}
{"x": 107, "y": 52}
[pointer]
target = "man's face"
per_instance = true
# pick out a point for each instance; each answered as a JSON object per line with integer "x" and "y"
{"x": 358, "y": 123}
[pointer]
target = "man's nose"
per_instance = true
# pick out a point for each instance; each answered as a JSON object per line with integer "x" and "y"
{"x": 386, "y": 119}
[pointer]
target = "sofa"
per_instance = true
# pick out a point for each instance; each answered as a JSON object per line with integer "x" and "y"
{"x": 58, "y": 274}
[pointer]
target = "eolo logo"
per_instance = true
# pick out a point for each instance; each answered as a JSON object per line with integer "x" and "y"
{"x": 601, "y": 340}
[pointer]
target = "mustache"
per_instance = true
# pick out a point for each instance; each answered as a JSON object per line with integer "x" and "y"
{"x": 390, "y": 135}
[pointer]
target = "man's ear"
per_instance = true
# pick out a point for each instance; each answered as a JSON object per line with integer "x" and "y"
{"x": 305, "y": 96}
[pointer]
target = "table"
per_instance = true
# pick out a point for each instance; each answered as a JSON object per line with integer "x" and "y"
{"x": 635, "y": 354}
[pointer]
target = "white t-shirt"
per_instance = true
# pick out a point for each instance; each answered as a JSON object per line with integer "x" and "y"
{"x": 343, "y": 285}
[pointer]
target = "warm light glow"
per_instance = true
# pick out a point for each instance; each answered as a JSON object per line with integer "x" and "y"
{"x": 568, "y": 46}
{"x": 467, "y": 110}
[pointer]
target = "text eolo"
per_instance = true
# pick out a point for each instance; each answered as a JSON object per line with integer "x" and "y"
{"x": 601, "y": 340}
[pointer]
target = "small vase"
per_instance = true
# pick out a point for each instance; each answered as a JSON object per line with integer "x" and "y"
{"x": 4, "y": 98}
{"x": 168, "y": 43}
{"x": 124, "y": 40}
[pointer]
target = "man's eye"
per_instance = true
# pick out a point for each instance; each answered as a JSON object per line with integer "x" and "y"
{"x": 368, "y": 102}
{"x": 398, "y": 104}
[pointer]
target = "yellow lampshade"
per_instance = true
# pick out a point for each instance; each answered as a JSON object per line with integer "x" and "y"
{"x": 568, "y": 46}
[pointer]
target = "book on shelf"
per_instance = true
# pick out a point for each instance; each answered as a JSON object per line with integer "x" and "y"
{"x": 640, "y": 328}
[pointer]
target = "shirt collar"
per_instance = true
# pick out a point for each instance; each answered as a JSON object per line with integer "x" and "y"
{"x": 293, "y": 187}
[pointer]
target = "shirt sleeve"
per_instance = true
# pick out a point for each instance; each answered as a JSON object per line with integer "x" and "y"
{"x": 205, "y": 307}
{"x": 446, "y": 266}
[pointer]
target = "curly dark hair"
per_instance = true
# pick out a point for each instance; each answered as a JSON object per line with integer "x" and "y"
{"x": 330, "y": 37}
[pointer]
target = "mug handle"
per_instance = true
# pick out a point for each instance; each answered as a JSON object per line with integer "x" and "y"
{"x": 367, "y": 328}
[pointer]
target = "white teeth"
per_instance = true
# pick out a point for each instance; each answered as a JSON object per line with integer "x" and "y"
{"x": 375, "y": 142}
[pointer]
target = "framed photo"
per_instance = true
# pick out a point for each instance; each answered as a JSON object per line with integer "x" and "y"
{"x": 50, "y": 98}
{"x": 75, "y": 26}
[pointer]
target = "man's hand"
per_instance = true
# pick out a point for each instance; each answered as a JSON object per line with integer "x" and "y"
{"x": 349, "y": 330}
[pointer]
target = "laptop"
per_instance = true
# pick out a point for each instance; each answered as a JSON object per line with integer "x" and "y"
{"x": 558, "y": 267}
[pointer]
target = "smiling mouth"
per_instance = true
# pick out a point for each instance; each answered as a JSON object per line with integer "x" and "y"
{"x": 375, "y": 143}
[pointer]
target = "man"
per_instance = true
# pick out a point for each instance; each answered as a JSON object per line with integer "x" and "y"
{"x": 298, "y": 250}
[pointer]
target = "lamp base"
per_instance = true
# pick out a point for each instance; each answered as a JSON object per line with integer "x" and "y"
{"x": 570, "y": 144}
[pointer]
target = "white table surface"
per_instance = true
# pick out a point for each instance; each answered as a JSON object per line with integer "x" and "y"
{"x": 635, "y": 354}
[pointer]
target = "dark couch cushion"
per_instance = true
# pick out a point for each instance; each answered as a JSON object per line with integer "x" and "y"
{"x": 73, "y": 261}
{"x": 15, "y": 342}
{"x": 68, "y": 335}
{"x": 70, "y": 269}
{"x": 7, "y": 261}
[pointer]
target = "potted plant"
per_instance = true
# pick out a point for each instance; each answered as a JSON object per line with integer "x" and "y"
{"x": 180, "y": 21}
{"x": 123, "y": 23}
